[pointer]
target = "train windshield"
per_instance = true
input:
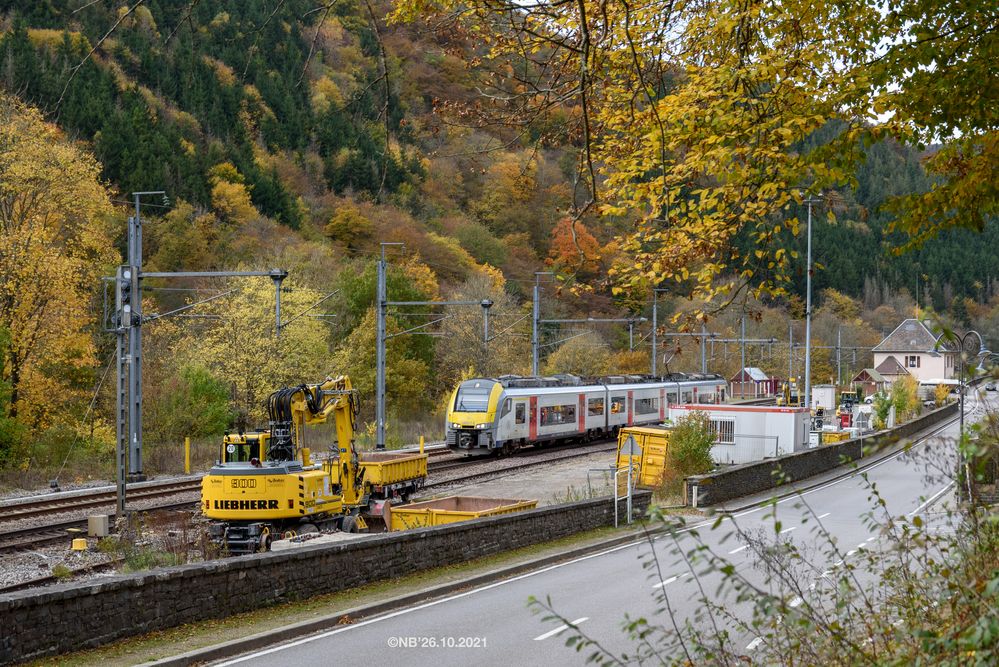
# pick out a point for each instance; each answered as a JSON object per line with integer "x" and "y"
{"x": 473, "y": 396}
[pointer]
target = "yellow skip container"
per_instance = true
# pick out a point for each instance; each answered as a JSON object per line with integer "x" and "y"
{"x": 453, "y": 509}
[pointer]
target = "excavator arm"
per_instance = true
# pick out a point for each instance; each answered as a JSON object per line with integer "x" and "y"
{"x": 293, "y": 408}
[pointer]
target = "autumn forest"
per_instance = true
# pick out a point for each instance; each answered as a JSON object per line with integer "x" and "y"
{"x": 601, "y": 150}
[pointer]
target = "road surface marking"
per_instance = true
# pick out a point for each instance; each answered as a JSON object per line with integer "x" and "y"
{"x": 671, "y": 580}
{"x": 735, "y": 551}
{"x": 753, "y": 644}
{"x": 822, "y": 516}
{"x": 795, "y": 602}
{"x": 862, "y": 544}
{"x": 871, "y": 538}
{"x": 923, "y": 441}
{"x": 788, "y": 530}
{"x": 559, "y": 629}
{"x": 931, "y": 500}
{"x": 850, "y": 552}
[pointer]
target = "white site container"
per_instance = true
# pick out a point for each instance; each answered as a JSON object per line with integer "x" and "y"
{"x": 747, "y": 433}
{"x": 824, "y": 396}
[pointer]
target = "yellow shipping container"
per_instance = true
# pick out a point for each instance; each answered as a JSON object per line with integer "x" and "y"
{"x": 650, "y": 448}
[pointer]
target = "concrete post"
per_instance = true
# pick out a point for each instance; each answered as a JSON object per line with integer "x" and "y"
{"x": 535, "y": 316}
{"x": 381, "y": 309}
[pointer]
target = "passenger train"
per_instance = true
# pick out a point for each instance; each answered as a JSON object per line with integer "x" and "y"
{"x": 500, "y": 415}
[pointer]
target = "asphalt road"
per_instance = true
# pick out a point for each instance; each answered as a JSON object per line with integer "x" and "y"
{"x": 493, "y": 625}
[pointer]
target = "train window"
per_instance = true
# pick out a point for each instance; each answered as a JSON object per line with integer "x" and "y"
{"x": 671, "y": 399}
{"x": 687, "y": 397}
{"x": 646, "y": 406}
{"x": 595, "y": 407}
{"x": 520, "y": 414}
{"x": 506, "y": 408}
{"x": 705, "y": 398}
{"x": 617, "y": 405}
{"x": 558, "y": 414}
{"x": 473, "y": 397}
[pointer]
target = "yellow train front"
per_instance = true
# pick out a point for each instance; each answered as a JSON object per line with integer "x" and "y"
{"x": 252, "y": 500}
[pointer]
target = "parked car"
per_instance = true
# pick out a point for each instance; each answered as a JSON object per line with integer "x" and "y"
{"x": 991, "y": 386}
{"x": 869, "y": 399}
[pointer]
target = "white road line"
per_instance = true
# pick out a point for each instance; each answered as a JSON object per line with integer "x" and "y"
{"x": 788, "y": 530}
{"x": 931, "y": 500}
{"x": 862, "y": 545}
{"x": 559, "y": 629}
{"x": 671, "y": 580}
{"x": 753, "y": 644}
{"x": 871, "y": 538}
{"x": 822, "y": 516}
{"x": 735, "y": 551}
{"x": 795, "y": 602}
{"x": 762, "y": 507}
{"x": 850, "y": 552}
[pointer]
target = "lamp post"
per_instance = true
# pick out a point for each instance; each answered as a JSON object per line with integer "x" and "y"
{"x": 808, "y": 306}
{"x": 982, "y": 351}
{"x": 963, "y": 360}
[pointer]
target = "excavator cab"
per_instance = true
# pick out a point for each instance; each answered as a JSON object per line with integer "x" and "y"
{"x": 244, "y": 447}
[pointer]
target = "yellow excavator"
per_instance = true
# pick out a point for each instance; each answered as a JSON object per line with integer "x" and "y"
{"x": 265, "y": 484}
{"x": 789, "y": 396}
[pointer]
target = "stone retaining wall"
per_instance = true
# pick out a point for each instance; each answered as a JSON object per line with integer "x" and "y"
{"x": 69, "y": 617}
{"x": 749, "y": 478}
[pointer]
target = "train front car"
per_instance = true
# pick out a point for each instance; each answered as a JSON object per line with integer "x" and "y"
{"x": 471, "y": 417}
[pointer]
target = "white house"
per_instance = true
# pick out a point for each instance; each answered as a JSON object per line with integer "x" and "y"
{"x": 912, "y": 349}
{"x": 747, "y": 433}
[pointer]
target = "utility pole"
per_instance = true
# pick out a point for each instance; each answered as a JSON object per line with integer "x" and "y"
{"x": 704, "y": 348}
{"x": 127, "y": 327}
{"x": 742, "y": 340}
{"x": 381, "y": 335}
{"x": 839, "y": 355}
{"x": 790, "y": 350}
{"x": 381, "y": 308}
{"x": 536, "y": 321}
{"x": 808, "y": 307}
{"x": 631, "y": 335}
{"x": 655, "y": 329}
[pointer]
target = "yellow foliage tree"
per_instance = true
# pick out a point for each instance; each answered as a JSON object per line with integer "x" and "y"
{"x": 586, "y": 354}
{"x": 55, "y": 243}
{"x": 241, "y": 349}
{"x": 230, "y": 196}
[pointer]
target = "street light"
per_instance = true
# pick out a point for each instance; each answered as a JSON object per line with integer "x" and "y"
{"x": 982, "y": 352}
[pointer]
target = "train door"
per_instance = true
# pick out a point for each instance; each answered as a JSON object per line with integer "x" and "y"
{"x": 631, "y": 408}
{"x": 533, "y": 417}
{"x": 514, "y": 425}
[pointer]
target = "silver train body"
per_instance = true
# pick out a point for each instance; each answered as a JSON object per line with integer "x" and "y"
{"x": 500, "y": 415}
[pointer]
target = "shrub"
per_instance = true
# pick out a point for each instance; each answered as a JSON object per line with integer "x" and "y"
{"x": 689, "y": 451}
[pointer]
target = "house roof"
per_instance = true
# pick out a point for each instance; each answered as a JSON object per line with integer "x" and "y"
{"x": 870, "y": 375}
{"x": 890, "y": 366}
{"x": 750, "y": 373}
{"x": 911, "y": 336}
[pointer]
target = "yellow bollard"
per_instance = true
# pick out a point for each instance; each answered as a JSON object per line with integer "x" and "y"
{"x": 187, "y": 455}
{"x": 421, "y": 444}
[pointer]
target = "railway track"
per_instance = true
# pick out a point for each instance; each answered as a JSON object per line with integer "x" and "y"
{"x": 28, "y": 538}
{"x": 46, "y": 506}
